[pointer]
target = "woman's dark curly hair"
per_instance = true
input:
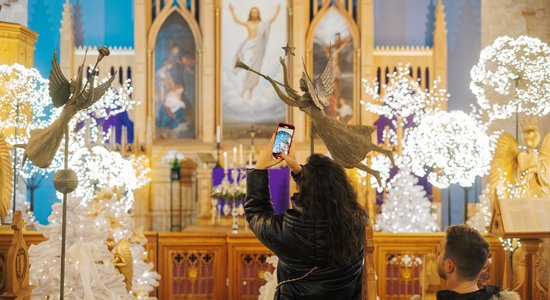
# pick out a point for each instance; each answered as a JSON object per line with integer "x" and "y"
{"x": 327, "y": 195}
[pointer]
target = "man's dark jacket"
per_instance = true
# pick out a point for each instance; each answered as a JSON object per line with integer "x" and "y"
{"x": 486, "y": 293}
{"x": 301, "y": 246}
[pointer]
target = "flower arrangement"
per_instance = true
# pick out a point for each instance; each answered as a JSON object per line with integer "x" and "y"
{"x": 173, "y": 158}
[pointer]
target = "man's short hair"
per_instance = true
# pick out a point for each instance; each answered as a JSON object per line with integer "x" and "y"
{"x": 467, "y": 249}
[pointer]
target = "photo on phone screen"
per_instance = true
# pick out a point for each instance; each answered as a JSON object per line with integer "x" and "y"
{"x": 283, "y": 139}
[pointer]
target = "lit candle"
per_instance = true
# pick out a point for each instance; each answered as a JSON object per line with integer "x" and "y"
{"x": 241, "y": 161}
{"x": 234, "y": 156}
{"x": 225, "y": 161}
{"x": 218, "y": 134}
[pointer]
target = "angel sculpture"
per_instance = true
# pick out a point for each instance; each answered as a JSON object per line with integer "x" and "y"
{"x": 74, "y": 96}
{"x": 528, "y": 171}
{"x": 348, "y": 144}
{"x": 122, "y": 259}
{"x": 6, "y": 177}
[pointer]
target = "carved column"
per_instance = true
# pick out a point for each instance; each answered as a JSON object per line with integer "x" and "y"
{"x": 298, "y": 19}
{"x": 204, "y": 190}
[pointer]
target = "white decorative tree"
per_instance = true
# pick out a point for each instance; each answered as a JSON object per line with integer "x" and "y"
{"x": 89, "y": 273}
{"x": 482, "y": 217}
{"x": 512, "y": 76}
{"x": 406, "y": 209}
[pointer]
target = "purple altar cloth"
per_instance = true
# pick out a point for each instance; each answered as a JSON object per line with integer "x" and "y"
{"x": 279, "y": 186}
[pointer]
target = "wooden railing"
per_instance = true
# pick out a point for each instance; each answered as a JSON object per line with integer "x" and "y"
{"x": 211, "y": 263}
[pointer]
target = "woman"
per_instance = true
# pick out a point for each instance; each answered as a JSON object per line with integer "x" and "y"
{"x": 319, "y": 241}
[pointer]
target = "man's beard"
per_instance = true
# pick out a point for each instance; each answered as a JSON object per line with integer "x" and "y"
{"x": 441, "y": 273}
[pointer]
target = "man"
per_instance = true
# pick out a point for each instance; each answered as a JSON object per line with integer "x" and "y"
{"x": 462, "y": 256}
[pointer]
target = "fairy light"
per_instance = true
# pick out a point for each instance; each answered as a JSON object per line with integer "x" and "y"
{"x": 406, "y": 209}
{"x": 403, "y": 96}
{"x": 511, "y": 76}
{"x": 448, "y": 147}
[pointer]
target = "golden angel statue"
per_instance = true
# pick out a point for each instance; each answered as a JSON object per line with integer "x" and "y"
{"x": 521, "y": 173}
{"x": 74, "y": 96}
{"x": 348, "y": 144}
{"x": 517, "y": 172}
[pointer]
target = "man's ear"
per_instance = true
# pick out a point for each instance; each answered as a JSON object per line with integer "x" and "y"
{"x": 450, "y": 266}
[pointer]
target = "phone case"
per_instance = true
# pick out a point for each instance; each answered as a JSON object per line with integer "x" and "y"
{"x": 282, "y": 124}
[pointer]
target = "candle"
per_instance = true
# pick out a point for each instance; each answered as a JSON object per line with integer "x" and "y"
{"x": 234, "y": 156}
{"x": 88, "y": 141}
{"x": 218, "y": 134}
{"x": 241, "y": 161}
{"x": 250, "y": 159}
{"x": 225, "y": 161}
{"x": 112, "y": 139}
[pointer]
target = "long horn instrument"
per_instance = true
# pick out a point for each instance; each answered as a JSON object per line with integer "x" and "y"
{"x": 240, "y": 65}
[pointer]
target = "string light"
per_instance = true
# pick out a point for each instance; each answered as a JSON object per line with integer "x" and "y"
{"x": 448, "y": 147}
{"x": 512, "y": 75}
{"x": 403, "y": 96}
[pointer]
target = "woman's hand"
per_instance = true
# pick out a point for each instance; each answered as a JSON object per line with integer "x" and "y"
{"x": 266, "y": 159}
{"x": 291, "y": 161}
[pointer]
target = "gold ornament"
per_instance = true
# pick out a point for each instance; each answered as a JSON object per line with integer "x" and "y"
{"x": 6, "y": 177}
{"x": 122, "y": 259}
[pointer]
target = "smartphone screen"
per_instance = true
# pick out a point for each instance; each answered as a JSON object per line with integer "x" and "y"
{"x": 283, "y": 139}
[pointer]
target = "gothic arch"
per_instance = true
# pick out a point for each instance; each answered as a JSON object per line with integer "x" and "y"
{"x": 189, "y": 19}
{"x": 340, "y": 9}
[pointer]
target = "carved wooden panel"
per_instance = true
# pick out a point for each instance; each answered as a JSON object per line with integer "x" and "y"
{"x": 193, "y": 274}
{"x": 253, "y": 266}
{"x": 403, "y": 275}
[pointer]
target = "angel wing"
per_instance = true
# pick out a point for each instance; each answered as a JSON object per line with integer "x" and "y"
{"x": 59, "y": 87}
{"x": 322, "y": 89}
{"x": 504, "y": 164}
{"x": 544, "y": 164}
{"x": 6, "y": 177}
{"x": 124, "y": 261}
{"x": 92, "y": 94}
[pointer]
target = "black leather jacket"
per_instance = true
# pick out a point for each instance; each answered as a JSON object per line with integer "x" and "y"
{"x": 301, "y": 247}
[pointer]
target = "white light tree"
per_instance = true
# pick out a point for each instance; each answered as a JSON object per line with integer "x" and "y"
{"x": 512, "y": 76}
{"x": 24, "y": 105}
{"x": 407, "y": 209}
{"x": 449, "y": 148}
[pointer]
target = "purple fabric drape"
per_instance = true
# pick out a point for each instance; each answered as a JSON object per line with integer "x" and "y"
{"x": 279, "y": 186}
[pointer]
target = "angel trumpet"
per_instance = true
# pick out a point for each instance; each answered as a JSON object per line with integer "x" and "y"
{"x": 241, "y": 65}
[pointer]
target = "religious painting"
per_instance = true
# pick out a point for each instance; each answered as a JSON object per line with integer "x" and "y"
{"x": 175, "y": 79}
{"x": 333, "y": 36}
{"x": 252, "y": 31}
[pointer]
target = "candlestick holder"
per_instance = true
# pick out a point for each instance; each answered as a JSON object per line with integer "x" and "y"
{"x": 218, "y": 146}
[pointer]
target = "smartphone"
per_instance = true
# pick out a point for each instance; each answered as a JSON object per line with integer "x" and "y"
{"x": 283, "y": 139}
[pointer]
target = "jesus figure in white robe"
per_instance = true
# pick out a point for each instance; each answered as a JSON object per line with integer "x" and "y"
{"x": 252, "y": 50}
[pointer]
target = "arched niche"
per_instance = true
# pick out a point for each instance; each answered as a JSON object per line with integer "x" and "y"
{"x": 174, "y": 66}
{"x": 333, "y": 30}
